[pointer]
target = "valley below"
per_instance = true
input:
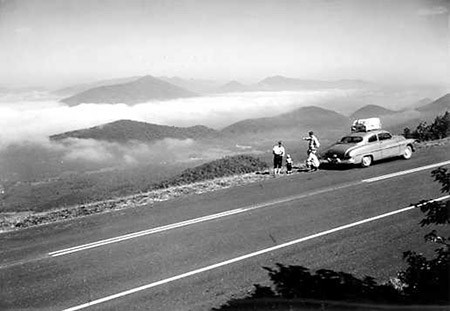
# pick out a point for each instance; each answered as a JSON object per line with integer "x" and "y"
{"x": 43, "y": 168}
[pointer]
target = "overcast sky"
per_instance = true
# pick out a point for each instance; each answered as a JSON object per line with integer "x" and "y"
{"x": 54, "y": 42}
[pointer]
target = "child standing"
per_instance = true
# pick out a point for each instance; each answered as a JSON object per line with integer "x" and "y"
{"x": 288, "y": 164}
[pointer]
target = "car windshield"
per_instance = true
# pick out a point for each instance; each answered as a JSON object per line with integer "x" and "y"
{"x": 351, "y": 139}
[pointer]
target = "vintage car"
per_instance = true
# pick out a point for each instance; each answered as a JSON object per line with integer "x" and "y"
{"x": 365, "y": 147}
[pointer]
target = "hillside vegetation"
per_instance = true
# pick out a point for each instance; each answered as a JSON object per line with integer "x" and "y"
{"x": 227, "y": 166}
{"x": 84, "y": 188}
{"x": 439, "y": 129}
{"x": 64, "y": 200}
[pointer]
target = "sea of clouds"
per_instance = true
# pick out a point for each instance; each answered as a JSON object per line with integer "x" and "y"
{"x": 27, "y": 121}
{"x": 35, "y": 120}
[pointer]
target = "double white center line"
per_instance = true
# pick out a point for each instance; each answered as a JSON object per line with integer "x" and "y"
{"x": 243, "y": 257}
{"x": 192, "y": 221}
{"x": 233, "y": 212}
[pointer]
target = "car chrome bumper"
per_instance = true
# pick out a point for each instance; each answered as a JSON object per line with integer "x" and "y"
{"x": 339, "y": 161}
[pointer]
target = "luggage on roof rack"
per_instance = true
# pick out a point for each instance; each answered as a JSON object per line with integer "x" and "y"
{"x": 365, "y": 125}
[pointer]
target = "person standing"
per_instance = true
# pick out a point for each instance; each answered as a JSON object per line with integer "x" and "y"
{"x": 288, "y": 164}
{"x": 312, "y": 162}
{"x": 278, "y": 154}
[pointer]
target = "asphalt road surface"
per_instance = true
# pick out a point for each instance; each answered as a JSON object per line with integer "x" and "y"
{"x": 197, "y": 252}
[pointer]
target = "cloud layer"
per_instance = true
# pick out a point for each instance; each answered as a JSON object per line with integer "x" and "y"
{"x": 36, "y": 120}
{"x": 27, "y": 154}
{"x": 27, "y": 121}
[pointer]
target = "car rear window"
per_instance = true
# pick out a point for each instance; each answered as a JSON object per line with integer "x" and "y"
{"x": 384, "y": 136}
{"x": 351, "y": 139}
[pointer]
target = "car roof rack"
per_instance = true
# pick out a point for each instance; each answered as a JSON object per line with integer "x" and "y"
{"x": 366, "y": 125}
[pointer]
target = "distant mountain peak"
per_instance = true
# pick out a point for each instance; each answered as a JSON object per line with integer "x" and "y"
{"x": 233, "y": 86}
{"x": 300, "y": 118}
{"x": 370, "y": 111}
{"x": 234, "y": 83}
{"x": 143, "y": 89}
{"x": 276, "y": 79}
{"x": 440, "y": 105}
{"x": 148, "y": 78}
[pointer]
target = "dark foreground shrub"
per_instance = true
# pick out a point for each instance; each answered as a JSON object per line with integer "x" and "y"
{"x": 296, "y": 287}
{"x": 439, "y": 129}
{"x": 423, "y": 285}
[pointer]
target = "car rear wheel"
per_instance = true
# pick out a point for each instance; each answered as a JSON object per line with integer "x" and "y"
{"x": 366, "y": 161}
{"x": 407, "y": 153}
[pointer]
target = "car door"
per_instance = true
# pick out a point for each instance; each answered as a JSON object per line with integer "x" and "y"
{"x": 373, "y": 146}
{"x": 389, "y": 147}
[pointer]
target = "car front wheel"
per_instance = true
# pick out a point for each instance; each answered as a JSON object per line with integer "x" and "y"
{"x": 407, "y": 153}
{"x": 366, "y": 161}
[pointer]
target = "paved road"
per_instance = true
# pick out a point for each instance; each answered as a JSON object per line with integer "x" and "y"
{"x": 220, "y": 253}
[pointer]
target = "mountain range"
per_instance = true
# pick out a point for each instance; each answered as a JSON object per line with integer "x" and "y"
{"x": 370, "y": 111}
{"x": 137, "y": 91}
{"x": 127, "y": 130}
{"x": 234, "y": 86}
{"x": 79, "y": 88}
{"x": 302, "y": 118}
{"x": 280, "y": 83}
{"x": 133, "y": 90}
{"x": 199, "y": 86}
{"x": 436, "y": 107}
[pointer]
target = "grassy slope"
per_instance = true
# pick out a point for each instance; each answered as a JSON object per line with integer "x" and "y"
{"x": 83, "y": 188}
{"x": 195, "y": 180}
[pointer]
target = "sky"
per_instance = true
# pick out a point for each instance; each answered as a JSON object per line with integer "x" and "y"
{"x": 54, "y": 43}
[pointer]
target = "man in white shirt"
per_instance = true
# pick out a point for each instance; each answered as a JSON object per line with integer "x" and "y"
{"x": 278, "y": 154}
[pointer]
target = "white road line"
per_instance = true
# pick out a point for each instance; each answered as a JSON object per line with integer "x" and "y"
{"x": 192, "y": 221}
{"x": 243, "y": 257}
{"x": 417, "y": 169}
{"x": 231, "y": 212}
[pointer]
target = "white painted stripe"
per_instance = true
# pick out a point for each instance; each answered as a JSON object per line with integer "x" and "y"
{"x": 243, "y": 257}
{"x": 229, "y": 213}
{"x": 417, "y": 169}
{"x": 192, "y": 221}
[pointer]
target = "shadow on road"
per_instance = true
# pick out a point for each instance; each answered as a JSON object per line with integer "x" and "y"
{"x": 345, "y": 167}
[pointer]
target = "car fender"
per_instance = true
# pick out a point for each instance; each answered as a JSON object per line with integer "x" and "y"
{"x": 411, "y": 142}
{"x": 358, "y": 158}
{"x": 360, "y": 152}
